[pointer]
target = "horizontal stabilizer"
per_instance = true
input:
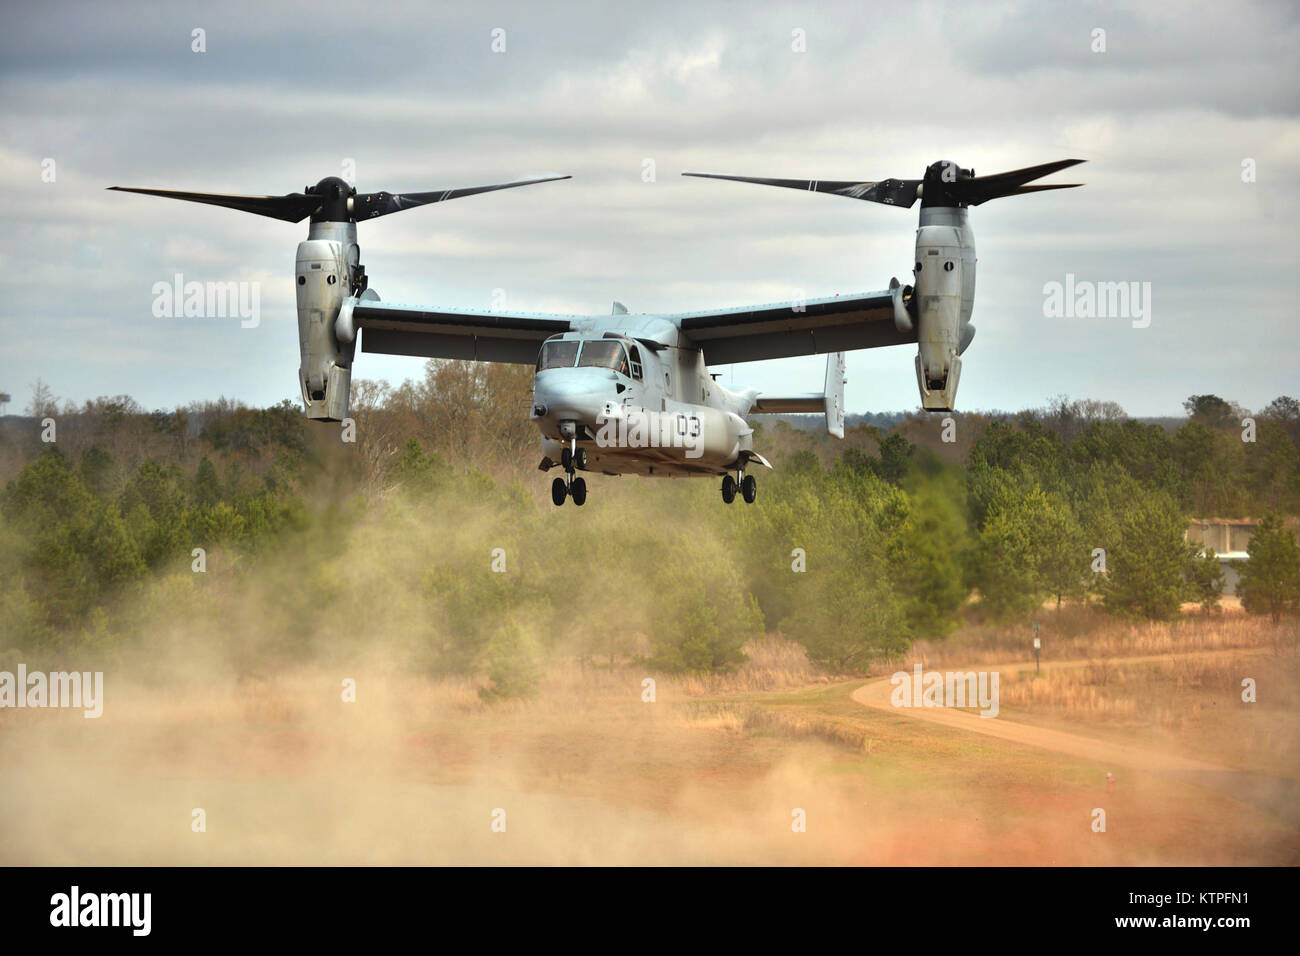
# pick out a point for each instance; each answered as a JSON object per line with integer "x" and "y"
{"x": 830, "y": 402}
{"x": 789, "y": 405}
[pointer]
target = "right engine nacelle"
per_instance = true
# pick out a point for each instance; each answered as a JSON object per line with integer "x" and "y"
{"x": 944, "y": 294}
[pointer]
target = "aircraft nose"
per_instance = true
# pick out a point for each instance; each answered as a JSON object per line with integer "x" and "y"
{"x": 571, "y": 397}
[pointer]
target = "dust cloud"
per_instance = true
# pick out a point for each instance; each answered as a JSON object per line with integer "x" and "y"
{"x": 228, "y": 706}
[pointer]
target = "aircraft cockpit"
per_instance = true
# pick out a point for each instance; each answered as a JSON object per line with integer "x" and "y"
{"x": 591, "y": 353}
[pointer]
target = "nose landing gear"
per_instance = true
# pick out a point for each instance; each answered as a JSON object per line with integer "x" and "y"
{"x": 571, "y": 458}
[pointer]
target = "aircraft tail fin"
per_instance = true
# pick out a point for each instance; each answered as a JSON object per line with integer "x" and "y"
{"x": 834, "y": 392}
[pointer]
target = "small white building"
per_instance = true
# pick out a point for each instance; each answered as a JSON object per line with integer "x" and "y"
{"x": 1229, "y": 538}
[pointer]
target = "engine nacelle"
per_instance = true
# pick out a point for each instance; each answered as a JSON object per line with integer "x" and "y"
{"x": 323, "y": 281}
{"x": 943, "y": 297}
{"x": 938, "y": 396}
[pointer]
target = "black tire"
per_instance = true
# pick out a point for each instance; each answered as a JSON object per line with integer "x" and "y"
{"x": 566, "y": 458}
{"x": 578, "y": 491}
{"x": 728, "y": 489}
{"x": 749, "y": 489}
{"x": 558, "y": 491}
{"x": 580, "y": 459}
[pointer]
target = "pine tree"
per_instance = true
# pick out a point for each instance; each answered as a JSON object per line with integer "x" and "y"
{"x": 1270, "y": 578}
{"x": 1146, "y": 572}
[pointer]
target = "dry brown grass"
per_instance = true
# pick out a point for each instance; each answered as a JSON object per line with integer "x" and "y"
{"x": 1190, "y": 704}
{"x": 1080, "y": 632}
{"x": 774, "y": 664}
{"x": 842, "y": 731}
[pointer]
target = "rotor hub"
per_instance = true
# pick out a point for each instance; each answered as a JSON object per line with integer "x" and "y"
{"x": 336, "y": 200}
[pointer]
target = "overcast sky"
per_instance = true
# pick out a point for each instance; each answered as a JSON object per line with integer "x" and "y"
{"x": 416, "y": 97}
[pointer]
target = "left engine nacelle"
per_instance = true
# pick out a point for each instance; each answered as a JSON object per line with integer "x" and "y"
{"x": 325, "y": 375}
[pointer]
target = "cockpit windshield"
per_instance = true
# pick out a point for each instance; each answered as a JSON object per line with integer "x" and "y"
{"x": 557, "y": 355}
{"x": 604, "y": 354}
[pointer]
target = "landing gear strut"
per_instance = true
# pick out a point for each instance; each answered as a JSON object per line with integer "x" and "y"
{"x": 571, "y": 458}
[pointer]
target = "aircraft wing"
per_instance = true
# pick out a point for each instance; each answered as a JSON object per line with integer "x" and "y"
{"x": 392, "y": 329}
{"x": 836, "y": 324}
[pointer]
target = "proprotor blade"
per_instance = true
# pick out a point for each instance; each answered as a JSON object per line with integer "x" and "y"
{"x": 373, "y": 205}
{"x": 293, "y": 207}
{"x": 1037, "y": 189}
{"x": 890, "y": 192}
{"x": 981, "y": 189}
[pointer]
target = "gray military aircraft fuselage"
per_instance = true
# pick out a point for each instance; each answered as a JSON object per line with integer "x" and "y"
{"x": 632, "y": 394}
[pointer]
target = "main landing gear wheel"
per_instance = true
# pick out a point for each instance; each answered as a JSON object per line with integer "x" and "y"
{"x": 559, "y": 491}
{"x": 580, "y": 459}
{"x": 566, "y": 459}
{"x": 578, "y": 490}
{"x": 728, "y": 489}
{"x": 749, "y": 488}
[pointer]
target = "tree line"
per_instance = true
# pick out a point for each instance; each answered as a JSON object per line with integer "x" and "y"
{"x": 854, "y": 549}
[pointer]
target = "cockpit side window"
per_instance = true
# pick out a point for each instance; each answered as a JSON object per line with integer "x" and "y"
{"x": 557, "y": 355}
{"x": 604, "y": 353}
{"x": 634, "y": 356}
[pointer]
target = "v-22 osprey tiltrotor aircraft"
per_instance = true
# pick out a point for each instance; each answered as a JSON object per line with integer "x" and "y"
{"x": 652, "y": 370}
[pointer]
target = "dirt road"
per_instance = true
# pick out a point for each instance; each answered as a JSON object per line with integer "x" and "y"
{"x": 877, "y": 695}
{"x": 1276, "y": 795}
